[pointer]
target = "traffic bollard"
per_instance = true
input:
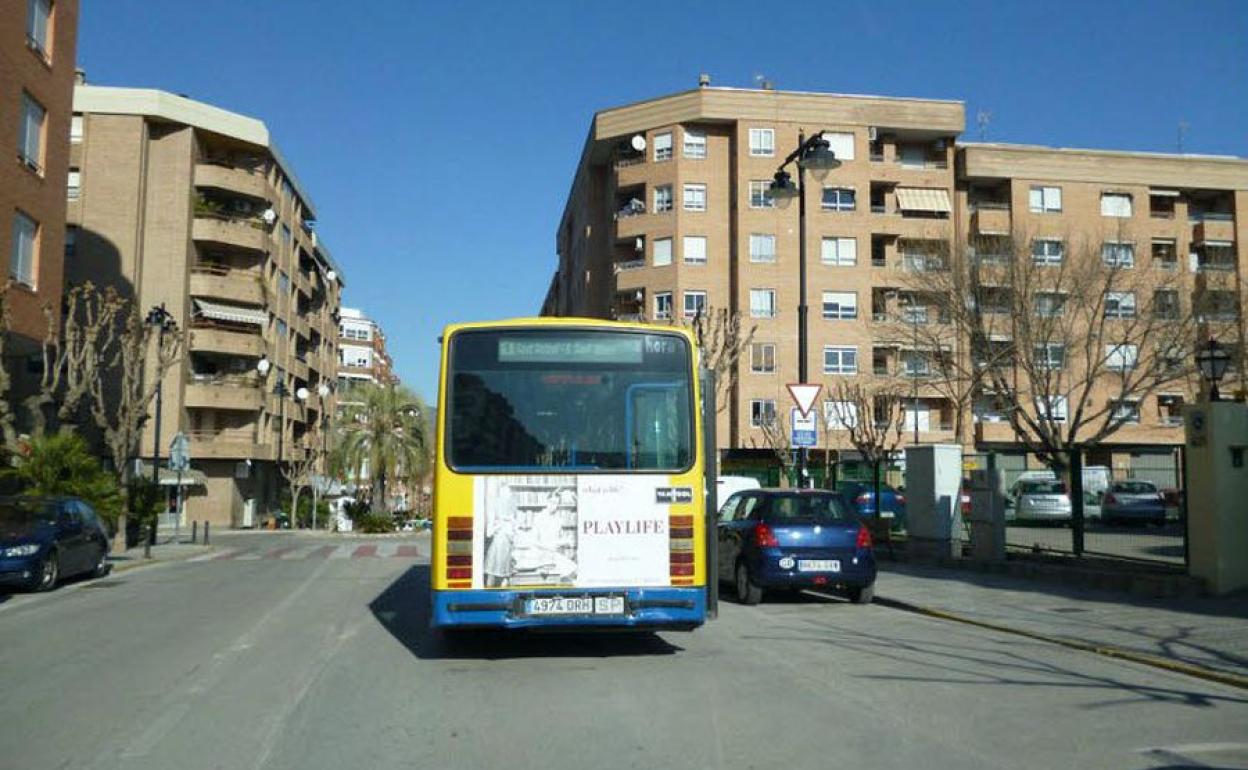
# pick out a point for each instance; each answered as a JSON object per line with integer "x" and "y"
{"x": 206, "y": 523}
{"x": 194, "y": 532}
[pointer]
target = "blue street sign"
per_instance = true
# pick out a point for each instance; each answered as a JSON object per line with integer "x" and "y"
{"x": 804, "y": 431}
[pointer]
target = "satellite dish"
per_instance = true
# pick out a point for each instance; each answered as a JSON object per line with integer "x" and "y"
{"x": 331, "y": 275}
{"x": 302, "y": 394}
{"x": 639, "y": 245}
{"x": 269, "y": 216}
{"x": 638, "y": 143}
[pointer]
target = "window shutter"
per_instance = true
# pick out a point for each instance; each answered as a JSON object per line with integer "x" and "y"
{"x": 841, "y": 144}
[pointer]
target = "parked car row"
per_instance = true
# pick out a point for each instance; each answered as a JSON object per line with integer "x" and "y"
{"x": 44, "y": 540}
{"x": 1121, "y": 502}
{"x": 794, "y": 539}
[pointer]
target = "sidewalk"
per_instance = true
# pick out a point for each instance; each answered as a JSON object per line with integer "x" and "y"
{"x": 1206, "y": 633}
{"x": 163, "y": 552}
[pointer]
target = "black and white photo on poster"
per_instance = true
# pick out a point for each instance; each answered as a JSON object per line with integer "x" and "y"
{"x": 529, "y": 535}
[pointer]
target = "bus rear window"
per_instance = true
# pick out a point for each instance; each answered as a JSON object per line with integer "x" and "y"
{"x": 576, "y": 400}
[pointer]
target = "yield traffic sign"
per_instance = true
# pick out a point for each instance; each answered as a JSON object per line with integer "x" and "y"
{"x": 804, "y": 396}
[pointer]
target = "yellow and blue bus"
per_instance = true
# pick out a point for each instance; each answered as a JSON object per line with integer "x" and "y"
{"x": 568, "y": 487}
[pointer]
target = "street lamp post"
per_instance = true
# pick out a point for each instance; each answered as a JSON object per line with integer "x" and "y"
{"x": 323, "y": 390}
{"x": 816, "y": 155}
{"x": 160, "y": 317}
{"x": 1213, "y": 359}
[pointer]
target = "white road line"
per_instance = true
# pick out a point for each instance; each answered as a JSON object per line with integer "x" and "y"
{"x": 342, "y": 552}
{"x": 386, "y": 550}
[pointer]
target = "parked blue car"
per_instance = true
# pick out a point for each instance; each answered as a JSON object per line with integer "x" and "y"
{"x": 1133, "y": 502}
{"x": 860, "y": 497}
{"x": 46, "y": 539}
{"x": 793, "y": 539}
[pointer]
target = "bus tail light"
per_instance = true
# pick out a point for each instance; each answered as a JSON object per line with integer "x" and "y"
{"x": 864, "y": 538}
{"x": 459, "y": 551}
{"x": 680, "y": 550}
{"x": 764, "y": 537}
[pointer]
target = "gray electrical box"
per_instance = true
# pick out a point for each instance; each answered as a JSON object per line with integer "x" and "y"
{"x": 987, "y": 516}
{"x": 933, "y": 499}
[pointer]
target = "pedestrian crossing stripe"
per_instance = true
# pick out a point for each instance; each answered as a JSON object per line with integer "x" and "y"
{"x": 300, "y": 553}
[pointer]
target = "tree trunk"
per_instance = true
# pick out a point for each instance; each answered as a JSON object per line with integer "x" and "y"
{"x": 294, "y": 505}
{"x": 379, "y": 492}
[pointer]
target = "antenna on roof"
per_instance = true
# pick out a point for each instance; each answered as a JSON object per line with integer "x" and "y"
{"x": 1183, "y": 126}
{"x": 983, "y": 118}
{"x": 765, "y": 83}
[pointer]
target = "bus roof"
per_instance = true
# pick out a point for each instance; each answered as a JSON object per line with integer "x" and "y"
{"x": 567, "y": 323}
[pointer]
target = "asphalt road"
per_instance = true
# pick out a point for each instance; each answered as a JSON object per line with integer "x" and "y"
{"x": 320, "y": 657}
{"x": 1160, "y": 544}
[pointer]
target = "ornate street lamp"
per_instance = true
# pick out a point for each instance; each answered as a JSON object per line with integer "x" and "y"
{"x": 1213, "y": 359}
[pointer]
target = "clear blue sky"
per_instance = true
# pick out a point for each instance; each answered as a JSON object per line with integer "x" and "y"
{"x": 438, "y": 139}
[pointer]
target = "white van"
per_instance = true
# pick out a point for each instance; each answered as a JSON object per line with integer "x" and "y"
{"x": 727, "y": 486}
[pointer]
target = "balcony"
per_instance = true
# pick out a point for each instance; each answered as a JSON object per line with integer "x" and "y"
{"x": 235, "y": 179}
{"x": 238, "y": 232}
{"x": 228, "y": 445}
{"x": 994, "y": 432}
{"x": 207, "y": 337}
{"x": 226, "y": 283}
{"x": 235, "y": 392}
{"x": 1213, "y": 226}
{"x": 990, "y": 218}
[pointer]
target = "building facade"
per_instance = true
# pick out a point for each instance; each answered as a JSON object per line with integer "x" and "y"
{"x": 362, "y": 355}
{"x": 37, "y": 49}
{"x": 669, "y": 215}
{"x": 185, "y": 205}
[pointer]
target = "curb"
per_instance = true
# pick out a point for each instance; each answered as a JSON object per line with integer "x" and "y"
{"x": 140, "y": 562}
{"x": 1109, "y": 651}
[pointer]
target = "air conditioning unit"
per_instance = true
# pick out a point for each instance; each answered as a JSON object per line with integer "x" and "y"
{"x": 873, "y": 133}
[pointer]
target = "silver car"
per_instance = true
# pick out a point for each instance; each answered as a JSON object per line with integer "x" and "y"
{"x": 1040, "y": 500}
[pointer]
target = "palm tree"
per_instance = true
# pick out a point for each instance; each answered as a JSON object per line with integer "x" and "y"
{"x": 384, "y": 431}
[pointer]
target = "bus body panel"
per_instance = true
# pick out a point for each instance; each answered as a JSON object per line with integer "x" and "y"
{"x": 681, "y": 604}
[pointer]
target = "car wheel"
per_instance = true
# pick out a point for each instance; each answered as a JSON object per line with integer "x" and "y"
{"x": 101, "y": 565}
{"x": 862, "y": 594}
{"x": 49, "y": 572}
{"x": 747, "y": 592}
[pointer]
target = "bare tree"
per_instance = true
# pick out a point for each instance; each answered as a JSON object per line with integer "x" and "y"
{"x": 120, "y": 406}
{"x": 722, "y": 339}
{"x": 300, "y": 473}
{"x": 776, "y": 438}
{"x": 870, "y": 418}
{"x": 8, "y": 430}
{"x": 1067, "y": 337}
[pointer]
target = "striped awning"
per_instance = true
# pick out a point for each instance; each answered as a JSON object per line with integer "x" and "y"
{"x": 233, "y": 313}
{"x": 923, "y": 199}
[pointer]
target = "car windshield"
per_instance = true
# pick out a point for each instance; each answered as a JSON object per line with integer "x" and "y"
{"x": 1044, "y": 488}
{"x": 1135, "y": 487}
{"x": 805, "y": 507}
{"x": 22, "y": 512}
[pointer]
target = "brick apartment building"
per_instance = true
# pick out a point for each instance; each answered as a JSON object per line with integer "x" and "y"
{"x": 37, "y": 42}
{"x": 185, "y": 204}
{"x": 669, "y": 213}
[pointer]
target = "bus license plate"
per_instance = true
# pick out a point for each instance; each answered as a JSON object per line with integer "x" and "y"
{"x": 818, "y": 565}
{"x": 575, "y": 605}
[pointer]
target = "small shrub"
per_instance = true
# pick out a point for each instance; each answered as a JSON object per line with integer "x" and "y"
{"x": 374, "y": 523}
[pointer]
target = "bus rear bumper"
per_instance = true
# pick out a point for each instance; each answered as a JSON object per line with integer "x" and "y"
{"x": 671, "y": 608}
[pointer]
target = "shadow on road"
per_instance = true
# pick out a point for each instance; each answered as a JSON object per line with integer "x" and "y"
{"x": 403, "y": 609}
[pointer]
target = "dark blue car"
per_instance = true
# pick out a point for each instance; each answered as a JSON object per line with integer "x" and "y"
{"x": 46, "y": 539}
{"x": 793, "y": 539}
{"x": 860, "y": 496}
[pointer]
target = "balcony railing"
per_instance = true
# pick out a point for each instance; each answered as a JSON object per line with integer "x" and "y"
{"x": 990, "y": 205}
{"x": 1172, "y": 420}
{"x": 631, "y": 209}
{"x": 630, "y": 160}
{"x": 1210, "y": 216}
{"x": 631, "y": 264}
{"x": 923, "y": 164}
{"x": 234, "y": 380}
{"x": 1218, "y": 265}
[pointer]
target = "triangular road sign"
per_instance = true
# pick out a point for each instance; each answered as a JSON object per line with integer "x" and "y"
{"x": 804, "y": 396}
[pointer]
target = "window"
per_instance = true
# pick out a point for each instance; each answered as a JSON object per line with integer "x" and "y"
{"x": 1047, "y": 252}
{"x": 842, "y": 252}
{"x": 762, "y": 412}
{"x": 71, "y": 240}
{"x": 1050, "y": 355}
{"x": 1049, "y": 304}
{"x": 1053, "y": 408}
{"x": 1115, "y": 205}
{"x": 762, "y": 247}
{"x": 663, "y": 146}
{"x": 912, "y": 312}
{"x": 840, "y": 305}
{"x": 840, "y": 360}
{"x": 1118, "y": 254}
{"x": 663, "y": 198}
{"x": 695, "y": 304}
{"x": 30, "y": 138}
{"x": 840, "y": 415}
{"x": 40, "y": 11}
{"x": 915, "y": 364}
{"x": 73, "y": 185}
{"x": 1120, "y": 304}
{"x": 762, "y": 142}
{"x": 1166, "y": 304}
{"x": 1165, "y": 254}
{"x": 841, "y": 144}
{"x": 1126, "y": 412}
{"x": 76, "y": 129}
{"x": 838, "y": 199}
{"x": 281, "y": 327}
{"x": 1046, "y": 200}
{"x": 695, "y": 249}
{"x": 760, "y": 194}
{"x": 662, "y": 252}
{"x": 762, "y": 357}
{"x": 25, "y": 249}
{"x": 916, "y": 416}
{"x": 283, "y": 283}
{"x": 762, "y": 303}
{"x": 695, "y": 197}
{"x": 285, "y": 234}
{"x": 663, "y": 305}
{"x": 1121, "y": 357}
{"x": 695, "y": 143}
